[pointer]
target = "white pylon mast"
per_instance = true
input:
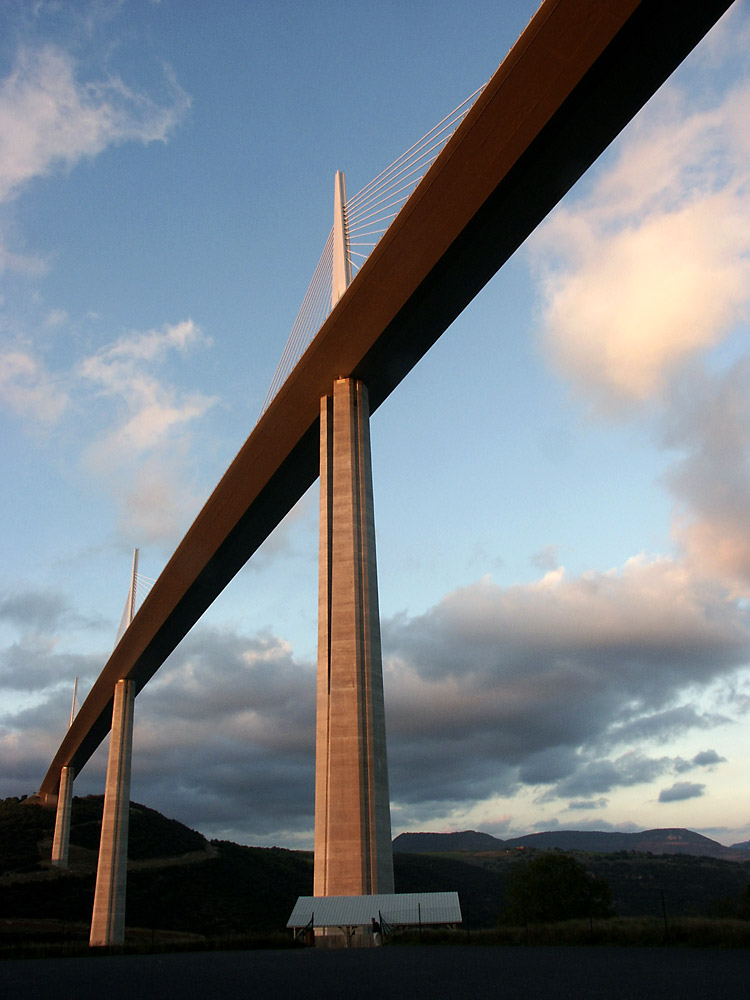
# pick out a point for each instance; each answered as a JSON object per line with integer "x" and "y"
{"x": 342, "y": 268}
{"x": 133, "y": 580}
{"x": 74, "y": 706}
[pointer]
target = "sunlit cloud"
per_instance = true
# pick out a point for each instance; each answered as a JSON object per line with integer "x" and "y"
{"x": 653, "y": 265}
{"x": 50, "y": 120}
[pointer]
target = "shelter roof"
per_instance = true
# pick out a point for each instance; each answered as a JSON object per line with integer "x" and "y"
{"x": 393, "y": 908}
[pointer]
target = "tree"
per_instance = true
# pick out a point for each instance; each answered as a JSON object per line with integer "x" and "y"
{"x": 554, "y": 886}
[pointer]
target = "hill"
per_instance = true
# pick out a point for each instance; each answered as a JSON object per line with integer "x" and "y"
{"x": 178, "y": 881}
{"x": 668, "y": 841}
{"x": 467, "y": 840}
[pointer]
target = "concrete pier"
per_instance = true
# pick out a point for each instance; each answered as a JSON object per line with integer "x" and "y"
{"x": 108, "y": 920}
{"x": 61, "y": 839}
{"x": 353, "y": 854}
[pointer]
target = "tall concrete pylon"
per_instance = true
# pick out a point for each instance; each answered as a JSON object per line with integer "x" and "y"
{"x": 353, "y": 852}
{"x": 108, "y": 918}
{"x": 61, "y": 838}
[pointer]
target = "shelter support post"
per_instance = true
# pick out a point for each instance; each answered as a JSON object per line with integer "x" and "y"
{"x": 353, "y": 853}
{"x": 108, "y": 920}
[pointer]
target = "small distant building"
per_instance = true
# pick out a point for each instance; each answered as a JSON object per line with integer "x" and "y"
{"x": 347, "y": 921}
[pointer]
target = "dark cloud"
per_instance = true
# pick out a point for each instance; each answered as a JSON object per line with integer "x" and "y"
{"x": 707, "y": 758}
{"x": 665, "y": 725}
{"x": 681, "y": 790}
{"x": 495, "y": 689}
{"x": 232, "y": 718}
{"x": 632, "y": 768}
{"x": 553, "y": 686}
{"x": 33, "y": 665}
{"x": 41, "y": 609}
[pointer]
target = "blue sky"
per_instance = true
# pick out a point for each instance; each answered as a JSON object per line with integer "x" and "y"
{"x": 562, "y": 486}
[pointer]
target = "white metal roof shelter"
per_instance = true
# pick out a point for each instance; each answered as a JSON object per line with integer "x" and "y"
{"x": 394, "y": 908}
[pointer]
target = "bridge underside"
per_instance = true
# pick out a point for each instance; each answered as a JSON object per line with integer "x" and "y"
{"x": 577, "y": 75}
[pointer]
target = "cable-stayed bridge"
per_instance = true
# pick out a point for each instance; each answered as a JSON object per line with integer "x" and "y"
{"x": 579, "y": 72}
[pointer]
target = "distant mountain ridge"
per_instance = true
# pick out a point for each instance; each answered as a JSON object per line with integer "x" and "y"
{"x": 666, "y": 841}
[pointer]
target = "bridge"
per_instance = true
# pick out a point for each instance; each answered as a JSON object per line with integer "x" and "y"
{"x": 577, "y": 75}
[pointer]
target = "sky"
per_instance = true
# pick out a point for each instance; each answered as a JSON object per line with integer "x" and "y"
{"x": 562, "y": 485}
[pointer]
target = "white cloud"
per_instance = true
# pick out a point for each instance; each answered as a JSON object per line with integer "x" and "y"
{"x": 28, "y": 265}
{"x": 28, "y": 390}
{"x": 643, "y": 278}
{"x": 49, "y": 120}
{"x": 153, "y": 411}
{"x": 143, "y": 454}
{"x": 654, "y": 264}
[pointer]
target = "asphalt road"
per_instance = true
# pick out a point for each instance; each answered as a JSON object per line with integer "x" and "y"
{"x": 455, "y": 972}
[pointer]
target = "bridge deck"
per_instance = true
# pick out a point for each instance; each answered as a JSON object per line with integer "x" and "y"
{"x": 576, "y": 76}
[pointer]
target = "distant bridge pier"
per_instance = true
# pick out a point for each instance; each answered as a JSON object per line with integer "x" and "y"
{"x": 108, "y": 920}
{"x": 61, "y": 839}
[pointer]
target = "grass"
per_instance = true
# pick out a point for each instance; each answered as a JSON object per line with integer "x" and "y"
{"x": 54, "y": 939}
{"x": 692, "y": 932}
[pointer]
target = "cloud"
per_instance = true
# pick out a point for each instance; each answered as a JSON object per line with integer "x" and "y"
{"x": 40, "y": 610}
{"x": 707, "y": 758}
{"x": 680, "y": 791}
{"x": 143, "y": 454}
{"x": 632, "y": 768}
{"x": 34, "y": 620}
{"x": 709, "y": 422}
{"x": 546, "y": 558}
{"x": 229, "y": 722}
{"x": 49, "y": 120}
{"x": 665, "y": 725}
{"x": 28, "y": 390}
{"x": 140, "y": 438}
{"x": 645, "y": 280}
{"x": 653, "y": 265}
{"x": 33, "y": 664}
{"x": 495, "y": 689}
{"x": 28, "y": 265}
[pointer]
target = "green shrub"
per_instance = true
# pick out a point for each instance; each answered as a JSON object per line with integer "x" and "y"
{"x": 551, "y": 887}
